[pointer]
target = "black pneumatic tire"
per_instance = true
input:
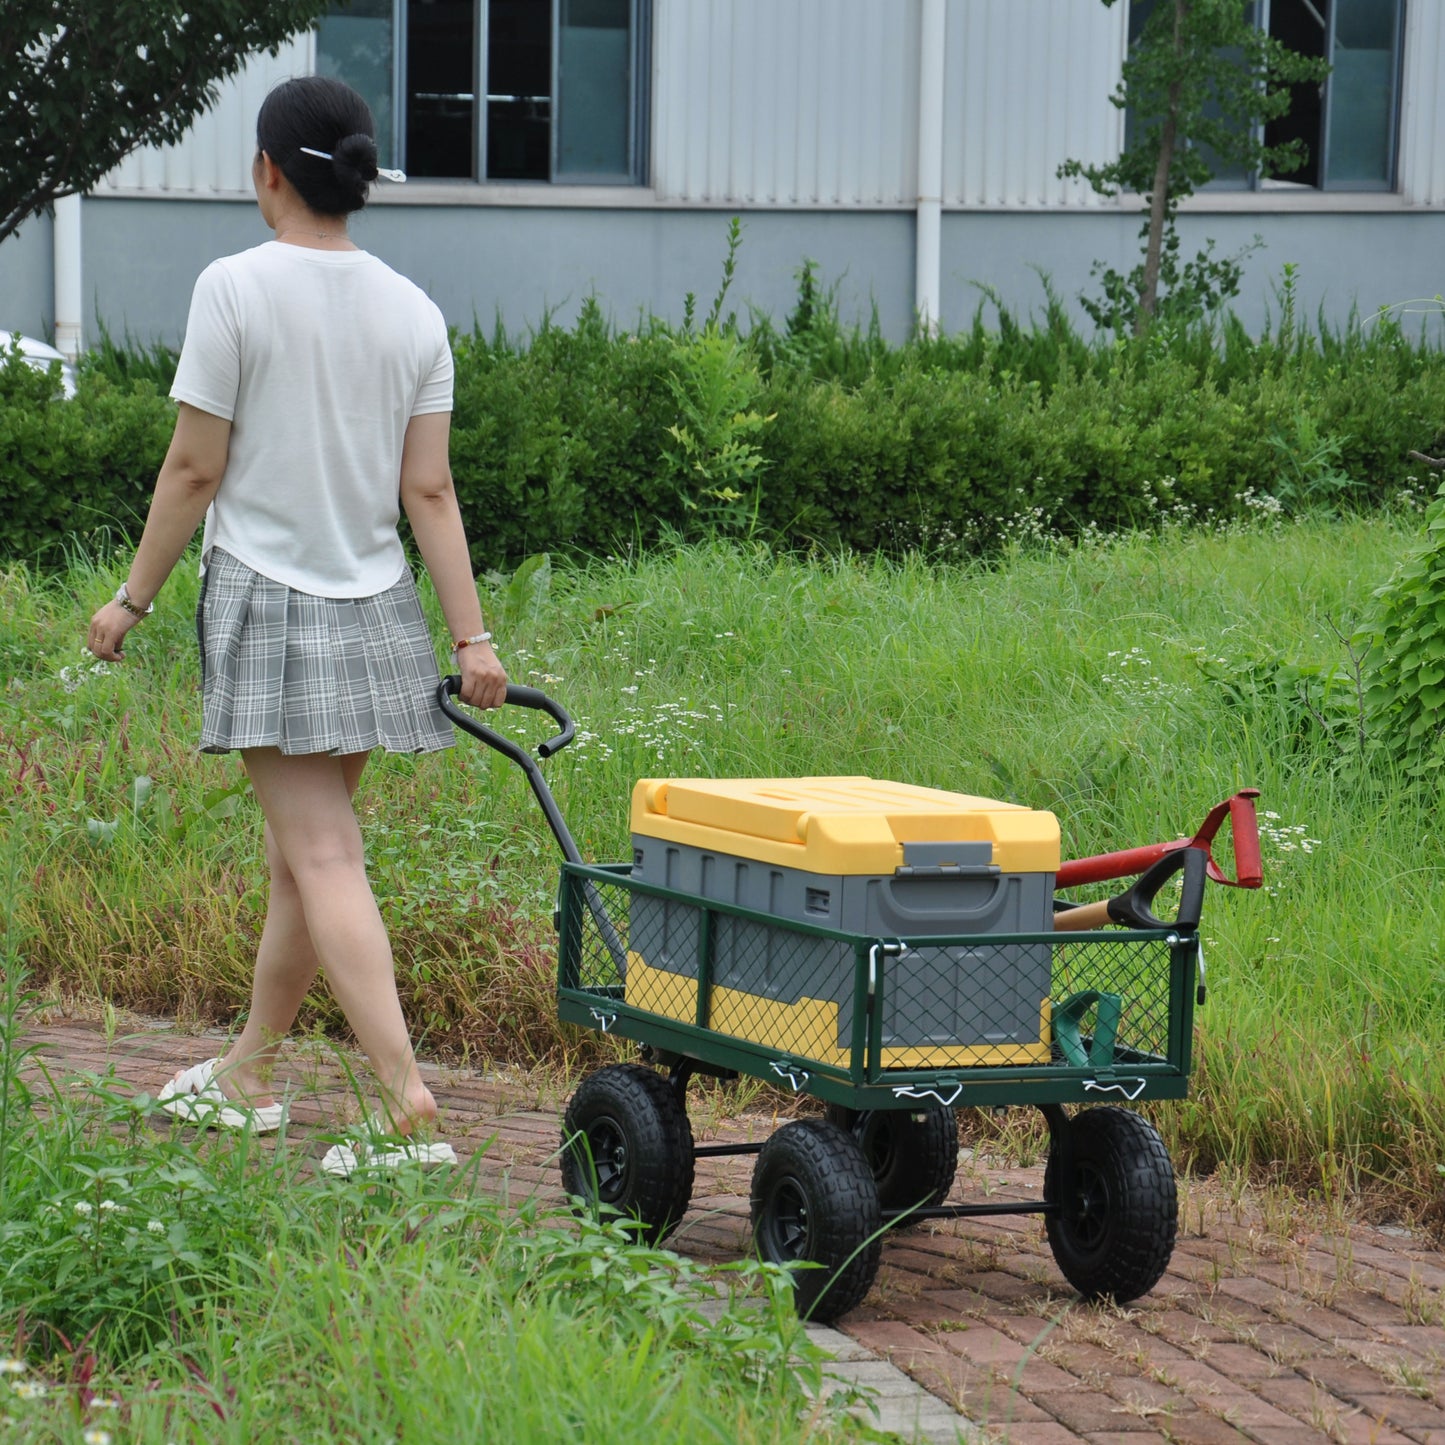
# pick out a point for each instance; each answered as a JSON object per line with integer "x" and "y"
{"x": 813, "y": 1199}
{"x": 913, "y": 1153}
{"x": 627, "y": 1145}
{"x": 1115, "y": 1234}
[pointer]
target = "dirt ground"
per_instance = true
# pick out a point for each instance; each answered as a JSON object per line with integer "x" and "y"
{"x": 1273, "y": 1323}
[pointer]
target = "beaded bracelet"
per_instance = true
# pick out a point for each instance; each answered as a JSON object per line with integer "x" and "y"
{"x": 462, "y": 642}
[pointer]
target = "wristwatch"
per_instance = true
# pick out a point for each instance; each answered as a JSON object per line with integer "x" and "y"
{"x": 123, "y": 597}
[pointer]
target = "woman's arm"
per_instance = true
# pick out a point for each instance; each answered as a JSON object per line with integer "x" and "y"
{"x": 430, "y": 502}
{"x": 195, "y": 462}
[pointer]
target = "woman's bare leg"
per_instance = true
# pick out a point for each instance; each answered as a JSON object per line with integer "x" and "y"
{"x": 321, "y": 891}
{"x": 286, "y": 968}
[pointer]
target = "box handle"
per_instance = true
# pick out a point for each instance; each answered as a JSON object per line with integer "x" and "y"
{"x": 897, "y": 912}
{"x": 947, "y": 870}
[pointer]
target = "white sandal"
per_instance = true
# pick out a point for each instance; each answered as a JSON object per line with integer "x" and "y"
{"x": 195, "y": 1095}
{"x": 374, "y": 1148}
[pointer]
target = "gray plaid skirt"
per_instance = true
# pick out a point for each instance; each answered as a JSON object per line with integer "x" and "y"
{"x": 283, "y": 669}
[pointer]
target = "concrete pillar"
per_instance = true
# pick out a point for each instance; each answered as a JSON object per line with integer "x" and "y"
{"x": 67, "y": 277}
{"x": 928, "y": 260}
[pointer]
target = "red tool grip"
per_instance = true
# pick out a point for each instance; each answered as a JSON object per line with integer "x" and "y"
{"x": 1242, "y": 822}
{"x": 1248, "y": 870}
{"x": 1112, "y": 865}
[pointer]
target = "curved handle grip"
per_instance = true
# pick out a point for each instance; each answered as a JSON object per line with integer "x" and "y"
{"x": 517, "y": 696}
{"x": 1132, "y": 907}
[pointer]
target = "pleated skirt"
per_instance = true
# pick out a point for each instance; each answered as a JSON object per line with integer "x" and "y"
{"x": 284, "y": 669}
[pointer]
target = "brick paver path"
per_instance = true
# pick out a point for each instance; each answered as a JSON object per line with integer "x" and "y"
{"x": 1270, "y": 1326}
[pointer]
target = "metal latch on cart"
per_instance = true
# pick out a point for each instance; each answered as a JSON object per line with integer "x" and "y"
{"x": 931, "y": 1091}
{"x": 1129, "y": 1088}
{"x": 947, "y": 860}
{"x": 797, "y": 1077}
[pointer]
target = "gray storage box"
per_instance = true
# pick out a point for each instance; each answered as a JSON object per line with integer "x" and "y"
{"x": 988, "y": 998}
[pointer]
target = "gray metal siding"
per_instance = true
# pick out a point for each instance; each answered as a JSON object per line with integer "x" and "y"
{"x": 1422, "y": 122}
{"x": 806, "y": 103}
{"x": 785, "y": 102}
{"x": 215, "y": 156}
{"x": 1028, "y": 85}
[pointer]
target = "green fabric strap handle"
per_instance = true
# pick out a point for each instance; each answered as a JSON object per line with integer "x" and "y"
{"x": 1068, "y": 1015}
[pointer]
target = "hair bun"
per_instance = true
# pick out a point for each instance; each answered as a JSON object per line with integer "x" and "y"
{"x": 355, "y": 154}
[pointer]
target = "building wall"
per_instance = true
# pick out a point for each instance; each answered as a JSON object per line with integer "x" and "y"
{"x": 1422, "y": 118}
{"x": 815, "y": 103}
{"x": 27, "y": 281}
{"x": 142, "y": 257}
{"x": 801, "y": 116}
{"x": 797, "y": 103}
{"x": 214, "y": 157}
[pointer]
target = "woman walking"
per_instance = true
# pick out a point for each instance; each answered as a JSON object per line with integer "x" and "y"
{"x": 315, "y": 392}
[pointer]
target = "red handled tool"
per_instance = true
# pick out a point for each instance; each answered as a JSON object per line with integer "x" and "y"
{"x": 1243, "y": 824}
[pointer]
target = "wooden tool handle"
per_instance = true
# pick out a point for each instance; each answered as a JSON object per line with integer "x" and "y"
{"x": 1087, "y": 915}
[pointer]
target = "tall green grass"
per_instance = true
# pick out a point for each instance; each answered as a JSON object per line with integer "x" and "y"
{"x": 156, "y": 1287}
{"x": 163, "y": 1284}
{"x": 1125, "y": 684}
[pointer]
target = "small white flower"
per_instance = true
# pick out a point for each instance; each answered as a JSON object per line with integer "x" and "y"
{"x": 12, "y": 1367}
{"x": 29, "y": 1389}
{"x": 84, "y": 1208}
{"x": 109, "y": 1206}
{"x": 630, "y": 690}
{"x": 155, "y": 1227}
{"x": 96, "y": 1437}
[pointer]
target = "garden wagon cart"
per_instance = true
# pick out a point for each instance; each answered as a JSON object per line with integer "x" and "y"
{"x": 897, "y": 953}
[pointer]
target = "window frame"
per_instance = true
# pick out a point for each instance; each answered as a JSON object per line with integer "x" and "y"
{"x": 1256, "y": 183}
{"x": 638, "y": 103}
{"x": 1397, "y": 67}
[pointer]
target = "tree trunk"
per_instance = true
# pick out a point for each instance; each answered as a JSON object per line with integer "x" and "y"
{"x": 1159, "y": 195}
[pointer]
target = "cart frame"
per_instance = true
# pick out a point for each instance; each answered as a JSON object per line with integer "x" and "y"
{"x": 867, "y": 1083}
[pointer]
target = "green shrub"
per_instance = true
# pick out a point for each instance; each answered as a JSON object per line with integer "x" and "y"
{"x": 1406, "y": 655}
{"x": 595, "y": 439}
{"x": 74, "y": 468}
{"x": 714, "y": 458}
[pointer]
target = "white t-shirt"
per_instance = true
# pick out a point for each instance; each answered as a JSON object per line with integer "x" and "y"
{"x": 318, "y": 359}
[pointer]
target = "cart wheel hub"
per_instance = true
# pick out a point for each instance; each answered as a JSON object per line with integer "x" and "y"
{"x": 792, "y": 1220}
{"x": 1091, "y": 1207}
{"x": 608, "y": 1146}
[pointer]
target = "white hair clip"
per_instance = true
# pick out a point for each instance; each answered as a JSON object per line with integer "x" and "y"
{"x": 383, "y": 173}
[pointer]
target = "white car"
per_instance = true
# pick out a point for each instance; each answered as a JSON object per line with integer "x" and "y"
{"x": 39, "y": 355}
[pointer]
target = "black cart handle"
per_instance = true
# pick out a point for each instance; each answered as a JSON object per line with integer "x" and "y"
{"x": 449, "y": 687}
{"x": 517, "y": 696}
{"x": 1133, "y": 908}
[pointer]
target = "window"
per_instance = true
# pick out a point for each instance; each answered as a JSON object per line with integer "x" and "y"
{"x": 499, "y": 90}
{"x": 1349, "y": 124}
{"x": 355, "y": 42}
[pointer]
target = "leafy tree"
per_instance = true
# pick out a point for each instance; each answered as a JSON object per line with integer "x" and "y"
{"x": 83, "y": 83}
{"x": 1198, "y": 83}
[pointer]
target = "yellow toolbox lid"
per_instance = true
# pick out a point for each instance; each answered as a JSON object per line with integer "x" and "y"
{"x": 838, "y": 825}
